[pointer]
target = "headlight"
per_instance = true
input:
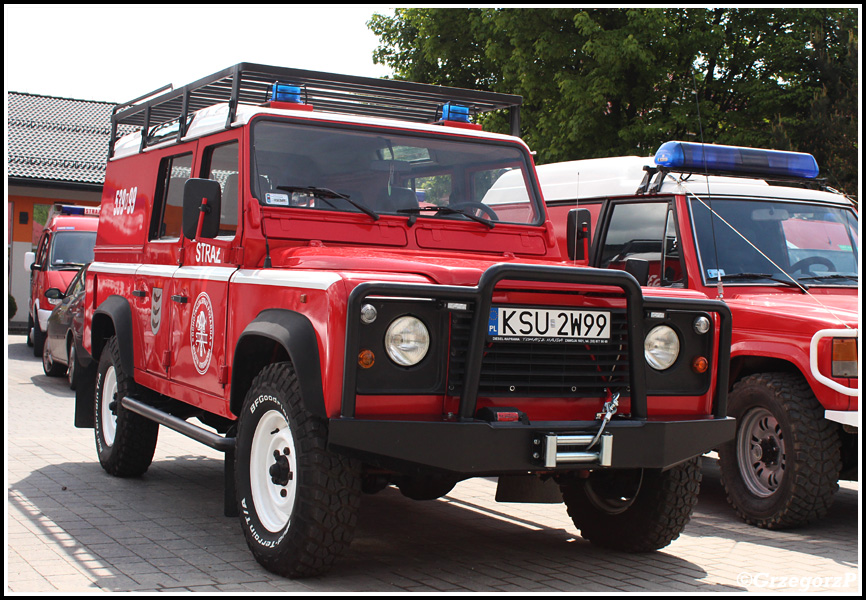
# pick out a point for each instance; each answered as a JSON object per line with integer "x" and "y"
{"x": 407, "y": 341}
{"x": 661, "y": 347}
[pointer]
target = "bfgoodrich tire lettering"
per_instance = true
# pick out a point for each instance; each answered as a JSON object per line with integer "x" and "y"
{"x": 782, "y": 469}
{"x": 125, "y": 441}
{"x": 298, "y": 501}
{"x": 635, "y": 510}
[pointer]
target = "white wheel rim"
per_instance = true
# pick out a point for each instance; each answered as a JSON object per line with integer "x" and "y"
{"x": 109, "y": 419}
{"x": 273, "y": 497}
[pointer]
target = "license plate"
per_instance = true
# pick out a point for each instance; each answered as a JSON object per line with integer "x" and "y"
{"x": 548, "y": 325}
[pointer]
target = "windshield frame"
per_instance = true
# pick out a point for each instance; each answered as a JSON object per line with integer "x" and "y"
{"x": 709, "y": 274}
{"x": 520, "y": 161}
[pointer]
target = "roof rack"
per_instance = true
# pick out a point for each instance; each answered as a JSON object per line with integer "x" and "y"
{"x": 248, "y": 83}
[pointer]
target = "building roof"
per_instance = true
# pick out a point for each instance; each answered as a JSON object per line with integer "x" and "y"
{"x": 57, "y": 140}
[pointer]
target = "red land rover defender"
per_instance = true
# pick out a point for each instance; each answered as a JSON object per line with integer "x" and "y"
{"x": 752, "y": 228}
{"x": 66, "y": 245}
{"x": 324, "y": 272}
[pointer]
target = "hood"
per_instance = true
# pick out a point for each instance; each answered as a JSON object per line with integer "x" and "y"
{"x": 443, "y": 268}
{"x": 822, "y": 310}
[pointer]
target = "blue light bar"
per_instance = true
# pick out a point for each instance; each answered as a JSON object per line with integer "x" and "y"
{"x": 455, "y": 112}
{"x": 71, "y": 209}
{"x": 283, "y": 92}
{"x": 700, "y": 158}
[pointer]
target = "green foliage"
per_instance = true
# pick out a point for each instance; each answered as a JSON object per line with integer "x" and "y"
{"x": 12, "y": 306}
{"x": 608, "y": 82}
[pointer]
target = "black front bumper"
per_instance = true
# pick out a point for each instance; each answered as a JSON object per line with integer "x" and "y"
{"x": 475, "y": 448}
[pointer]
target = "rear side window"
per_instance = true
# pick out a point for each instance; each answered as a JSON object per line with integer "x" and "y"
{"x": 167, "y": 219}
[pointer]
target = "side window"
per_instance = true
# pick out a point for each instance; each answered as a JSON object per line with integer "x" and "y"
{"x": 42, "y": 250}
{"x": 221, "y": 164}
{"x": 167, "y": 219}
{"x": 644, "y": 231}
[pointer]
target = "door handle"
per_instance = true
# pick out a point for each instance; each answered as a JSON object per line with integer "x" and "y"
{"x": 180, "y": 299}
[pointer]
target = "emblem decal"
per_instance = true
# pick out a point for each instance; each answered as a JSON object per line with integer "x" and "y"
{"x": 201, "y": 335}
{"x": 155, "y": 309}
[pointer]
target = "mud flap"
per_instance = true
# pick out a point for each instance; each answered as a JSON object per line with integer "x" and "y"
{"x": 528, "y": 488}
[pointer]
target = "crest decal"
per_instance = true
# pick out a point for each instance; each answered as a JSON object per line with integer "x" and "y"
{"x": 201, "y": 333}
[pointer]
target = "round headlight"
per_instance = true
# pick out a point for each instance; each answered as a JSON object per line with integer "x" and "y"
{"x": 661, "y": 347}
{"x": 407, "y": 341}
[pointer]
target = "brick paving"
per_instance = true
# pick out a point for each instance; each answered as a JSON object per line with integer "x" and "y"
{"x": 71, "y": 528}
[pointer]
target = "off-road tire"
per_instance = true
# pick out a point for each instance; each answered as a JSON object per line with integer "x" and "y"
{"x": 125, "y": 441}
{"x": 300, "y": 533}
{"x": 653, "y": 517}
{"x": 808, "y": 446}
{"x": 49, "y": 366}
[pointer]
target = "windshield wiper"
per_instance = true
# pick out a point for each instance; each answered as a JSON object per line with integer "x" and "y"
{"x": 742, "y": 276}
{"x": 325, "y": 193}
{"x": 828, "y": 277}
{"x": 445, "y": 210}
{"x": 68, "y": 266}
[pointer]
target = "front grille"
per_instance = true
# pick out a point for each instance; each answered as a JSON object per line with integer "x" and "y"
{"x": 524, "y": 369}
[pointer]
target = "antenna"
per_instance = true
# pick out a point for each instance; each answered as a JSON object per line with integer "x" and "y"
{"x": 577, "y": 238}
{"x": 719, "y": 285}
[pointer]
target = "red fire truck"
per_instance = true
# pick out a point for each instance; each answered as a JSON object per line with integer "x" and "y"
{"x": 755, "y": 229}
{"x": 66, "y": 244}
{"x": 326, "y": 273}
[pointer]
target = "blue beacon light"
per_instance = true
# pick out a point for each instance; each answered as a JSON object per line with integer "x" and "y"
{"x": 698, "y": 158}
{"x": 283, "y": 92}
{"x": 455, "y": 112}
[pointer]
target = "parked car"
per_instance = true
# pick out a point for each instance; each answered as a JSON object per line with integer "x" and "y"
{"x": 65, "y": 245}
{"x": 63, "y": 331}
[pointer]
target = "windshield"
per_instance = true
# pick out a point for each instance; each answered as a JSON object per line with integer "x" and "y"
{"x": 384, "y": 172}
{"x": 72, "y": 249}
{"x": 812, "y": 244}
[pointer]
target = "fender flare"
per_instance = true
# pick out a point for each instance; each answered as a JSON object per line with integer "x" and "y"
{"x": 118, "y": 311}
{"x": 296, "y": 335}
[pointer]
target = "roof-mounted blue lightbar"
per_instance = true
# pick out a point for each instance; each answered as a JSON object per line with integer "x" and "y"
{"x": 700, "y": 158}
{"x": 285, "y": 92}
{"x": 455, "y": 112}
{"x": 72, "y": 209}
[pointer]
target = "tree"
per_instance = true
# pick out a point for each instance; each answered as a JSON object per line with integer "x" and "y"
{"x": 607, "y": 82}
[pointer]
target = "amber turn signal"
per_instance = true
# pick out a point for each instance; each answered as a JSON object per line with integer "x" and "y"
{"x": 700, "y": 365}
{"x": 366, "y": 359}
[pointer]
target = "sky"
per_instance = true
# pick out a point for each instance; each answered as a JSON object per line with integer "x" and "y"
{"x": 118, "y": 52}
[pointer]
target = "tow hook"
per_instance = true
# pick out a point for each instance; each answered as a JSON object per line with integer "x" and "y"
{"x": 609, "y": 411}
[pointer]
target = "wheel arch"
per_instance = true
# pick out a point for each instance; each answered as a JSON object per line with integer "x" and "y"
{"x": 113, "y": 318}
{"x": 277, "y": 335}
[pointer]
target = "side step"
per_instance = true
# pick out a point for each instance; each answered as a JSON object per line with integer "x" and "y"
{"x": 199, "y": 434}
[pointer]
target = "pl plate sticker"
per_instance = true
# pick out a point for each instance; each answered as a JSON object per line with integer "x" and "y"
{"x": 201, "y": 333}
{"x": 277, "y": 199}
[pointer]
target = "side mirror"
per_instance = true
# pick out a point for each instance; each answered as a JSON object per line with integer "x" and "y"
{"x": 201, "y": 208}
{"x": 53, "y": 294}
{"x": 577, "y": 233}
{"x": 29, "y": 260}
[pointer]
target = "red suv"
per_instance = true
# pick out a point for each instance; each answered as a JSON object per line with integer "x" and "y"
{"x": 755, "y": 229}
{"x": 328, "y": 274}
{"x": 66, "y": 245}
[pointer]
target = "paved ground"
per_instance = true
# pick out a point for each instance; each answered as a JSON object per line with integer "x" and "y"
{"x": 71, "y": 528}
